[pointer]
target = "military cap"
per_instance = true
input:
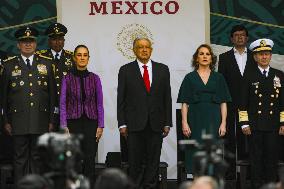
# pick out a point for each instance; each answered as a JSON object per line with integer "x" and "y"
{"x": 26, "y": 32}
{"x": 261, "y": 45}
{"x": 56, "y": 29}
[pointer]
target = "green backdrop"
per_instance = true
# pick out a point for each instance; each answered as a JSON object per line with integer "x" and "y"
{"x": 15, "y": 13}
{"x": 264, "y": 19}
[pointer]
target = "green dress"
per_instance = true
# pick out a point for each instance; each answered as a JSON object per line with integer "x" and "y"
{"x": 204, "y": 112}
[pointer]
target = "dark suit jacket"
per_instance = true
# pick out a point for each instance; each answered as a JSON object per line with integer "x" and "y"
{"x": 229, "y": 68}
{"x": 28, "y": 95}
{"x": 263, "y": 100}
{"x": 135, "y": 106}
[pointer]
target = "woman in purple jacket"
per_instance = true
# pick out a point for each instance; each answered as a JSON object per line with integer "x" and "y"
{"x": 81, "y": 108}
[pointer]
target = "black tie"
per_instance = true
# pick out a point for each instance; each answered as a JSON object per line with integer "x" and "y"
{"x": 28, "y": 63}
{"x": 264, "y": 73}
{"x": 57, "y": 56}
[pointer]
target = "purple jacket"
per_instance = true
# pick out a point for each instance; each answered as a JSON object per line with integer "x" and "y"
{"x": 71, "y": 106}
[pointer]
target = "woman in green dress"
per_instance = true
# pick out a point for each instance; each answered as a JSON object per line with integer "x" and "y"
{"x": 204, "y": 95}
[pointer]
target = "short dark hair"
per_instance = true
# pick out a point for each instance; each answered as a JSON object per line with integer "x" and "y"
{"x": 81, "y": 46}
{"x": 113, "y": 178}
{"x": 195, "y": 64}
{"x": 238, "y": 28}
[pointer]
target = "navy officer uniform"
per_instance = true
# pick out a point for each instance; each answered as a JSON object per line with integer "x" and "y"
{"x": 62, "y": 59}
{"x": 28, "y": 100}
{"x": 261, "y": 113}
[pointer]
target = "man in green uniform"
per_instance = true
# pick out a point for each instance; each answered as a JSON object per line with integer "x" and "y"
{"x": 28, "y": 100}
{"x": 62, "y": 59}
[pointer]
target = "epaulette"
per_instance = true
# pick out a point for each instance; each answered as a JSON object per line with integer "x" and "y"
{"x": 45, "y": 57}
{"x": 68, "y": 52}
{"x": 41, "y": 51}
{"x": 9, "y": 58}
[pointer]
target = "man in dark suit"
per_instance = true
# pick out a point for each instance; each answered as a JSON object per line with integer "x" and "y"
{"x": 28, "y": 100}
{"x": 144, "y": 112}
{"x": 234, "y": 65}
{"x": 261, "y": 114}
{"x": 62, "y": 59}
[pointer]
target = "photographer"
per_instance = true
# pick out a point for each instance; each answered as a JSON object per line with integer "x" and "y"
{"x": 208, "y": 158}
{"x": 60, "y": 156}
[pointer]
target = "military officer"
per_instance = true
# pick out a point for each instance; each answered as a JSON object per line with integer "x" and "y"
{"x": 28, "y": 100}
{"x": 62, "y": 59}
{"x": 261, "y": 113}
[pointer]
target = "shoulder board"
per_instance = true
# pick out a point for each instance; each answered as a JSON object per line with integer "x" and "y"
{"x": 68, "y": 52}
{"x": 41, "y": 51}
{"x": 45, "y": 57}
{"x": 9, "y": 58}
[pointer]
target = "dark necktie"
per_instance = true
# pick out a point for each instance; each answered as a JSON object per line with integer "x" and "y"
{"x": 28, "y": 63}
{"x": 57, "y": 56}
{"x": 264, "y": 73}
{"x": 146, "y": 78}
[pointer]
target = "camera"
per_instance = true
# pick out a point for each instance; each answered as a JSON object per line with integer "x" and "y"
{"x": 208, "y": 158}
{"x": 60, "y": 157}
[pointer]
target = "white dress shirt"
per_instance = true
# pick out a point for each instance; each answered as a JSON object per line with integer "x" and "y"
{"x": 149, "y": 68}
{"x": 54, "y": 54}
{"x": 266, "y": 69}
{"x": 31, "y": 58}
{"x": 241, "y": 59}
